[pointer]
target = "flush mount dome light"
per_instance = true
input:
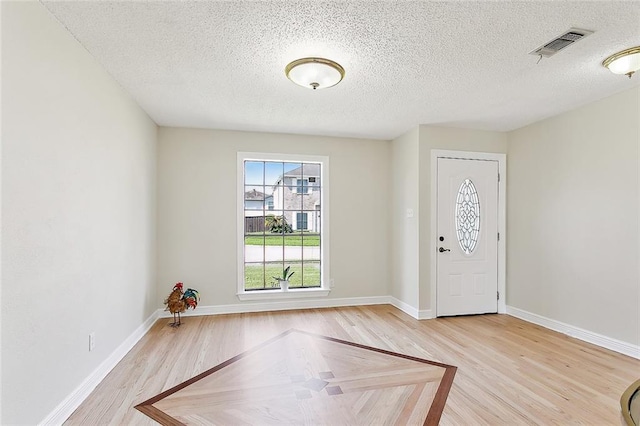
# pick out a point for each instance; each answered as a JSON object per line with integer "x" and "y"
{"x": 314, "y": 73}
{"x": 625, "y": 62}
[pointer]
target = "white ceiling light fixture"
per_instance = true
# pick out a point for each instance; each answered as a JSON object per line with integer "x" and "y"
{"x": 314, "y": 73}
{"x": 626, "y": 62}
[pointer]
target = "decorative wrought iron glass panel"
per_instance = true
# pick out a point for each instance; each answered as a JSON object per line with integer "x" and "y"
{"x": 467, "y": 216}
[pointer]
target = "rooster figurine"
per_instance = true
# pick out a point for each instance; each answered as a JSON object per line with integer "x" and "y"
{"x": 179, "y": 301}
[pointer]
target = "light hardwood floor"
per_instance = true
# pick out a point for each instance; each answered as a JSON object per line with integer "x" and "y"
{"x": 306, "y": 378}
{"x": 509, "y": 371}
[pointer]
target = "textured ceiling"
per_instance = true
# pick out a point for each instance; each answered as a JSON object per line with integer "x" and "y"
{"x": 459, "y": 64}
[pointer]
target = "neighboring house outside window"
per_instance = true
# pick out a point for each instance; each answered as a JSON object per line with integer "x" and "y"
{"x": 283, "y": 224}
{"x": 298, "y": 190}
{"x": 254, "y": 201}
{"x": 254, "y": 210}
{"x": 302, "y": 186}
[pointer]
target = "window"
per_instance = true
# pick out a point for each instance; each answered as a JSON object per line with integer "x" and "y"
{"x": 301, "y": 221}
{"x": 302, "y": 186}
{"x": 282, "y": 224}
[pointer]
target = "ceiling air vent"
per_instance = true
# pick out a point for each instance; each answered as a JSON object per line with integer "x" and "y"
{"x": 557, "y": 44}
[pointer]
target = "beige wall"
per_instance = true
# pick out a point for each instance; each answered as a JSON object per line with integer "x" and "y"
{"x": 78, "y": 173}
{"x": 572, "y": 219}
{"x": 197, "y": 209}
{"x": 432, "y": 137}
{"x": 411, "y": 189}
{"x": 78, "y": 249}
{"x": 404, "y": 253}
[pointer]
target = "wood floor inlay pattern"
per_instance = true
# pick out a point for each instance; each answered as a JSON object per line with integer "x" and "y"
{"x": 510, "y": 372}
{"x": 304, "y": 378}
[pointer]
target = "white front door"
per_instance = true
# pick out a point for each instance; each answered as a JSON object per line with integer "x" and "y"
{"x": 467, "y": 237}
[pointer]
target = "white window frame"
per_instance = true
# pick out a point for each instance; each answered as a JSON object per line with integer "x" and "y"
{"x": 324, "y": 288}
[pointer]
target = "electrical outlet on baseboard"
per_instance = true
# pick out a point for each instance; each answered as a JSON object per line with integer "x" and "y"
{"x": 92, "y": 341}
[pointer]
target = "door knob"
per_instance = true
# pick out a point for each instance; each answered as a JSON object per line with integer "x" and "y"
{"x": 442, "y": 249}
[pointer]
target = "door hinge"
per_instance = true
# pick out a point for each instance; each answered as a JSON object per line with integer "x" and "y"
{"x": 498, "y": 236}
{"x": 498, "y": 295}
{"x": 498, "y": 177}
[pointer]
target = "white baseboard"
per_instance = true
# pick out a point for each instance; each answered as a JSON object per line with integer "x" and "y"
{"x": 424, "y": 314}
{"x": 410, "y": 310}
{"x": 62, "y": 412}
{"x": 281, "y": 306}
{"x": 304, "y": 304}
{"x": 579, "y": 333}
{"x": 404, "y": 307}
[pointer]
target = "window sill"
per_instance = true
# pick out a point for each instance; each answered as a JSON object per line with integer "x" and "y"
{"x": 279, "y": 294}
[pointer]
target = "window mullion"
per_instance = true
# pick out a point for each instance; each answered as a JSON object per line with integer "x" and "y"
{"x": 294, "y": 195}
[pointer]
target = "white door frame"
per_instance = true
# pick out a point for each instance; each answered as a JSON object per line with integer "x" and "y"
{"x": 502, "y": 216}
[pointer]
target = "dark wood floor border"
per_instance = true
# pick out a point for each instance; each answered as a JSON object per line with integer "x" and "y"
{"x": 440, "y": 398}
{"x": 149, "y": 402}
{"x": 433, "y": 416}
{"x": 371, "y": 348}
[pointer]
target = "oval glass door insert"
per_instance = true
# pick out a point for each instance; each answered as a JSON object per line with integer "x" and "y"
{"x": 467, "y": 216}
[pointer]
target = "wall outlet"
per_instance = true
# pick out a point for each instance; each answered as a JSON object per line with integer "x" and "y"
{"x": 92, "y": 341}
{"x": 331, "y": 283}
{"x": 409, "y": 212}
